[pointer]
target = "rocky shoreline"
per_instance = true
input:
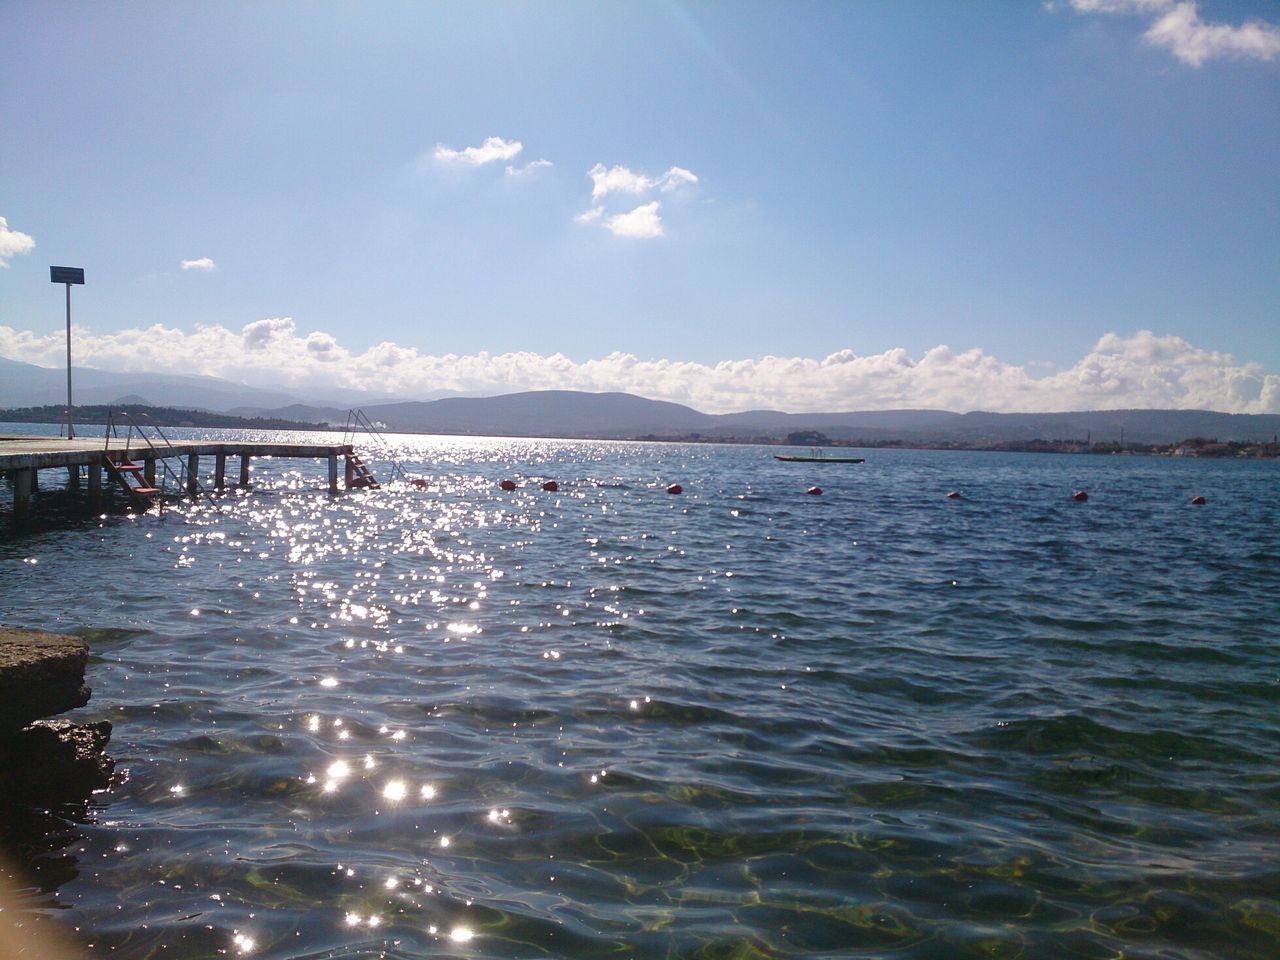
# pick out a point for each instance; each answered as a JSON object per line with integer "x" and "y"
{"x": 45, "y": 761}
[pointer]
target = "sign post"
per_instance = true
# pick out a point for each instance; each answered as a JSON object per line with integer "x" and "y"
{"x": 68, "y": 275}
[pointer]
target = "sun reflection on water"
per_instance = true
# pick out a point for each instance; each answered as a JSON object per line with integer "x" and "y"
{"x": 339, "y": 770}
{"x": 492, "y": 651}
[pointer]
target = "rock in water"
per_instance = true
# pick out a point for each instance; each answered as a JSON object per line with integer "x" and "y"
{"x": 68, "y": 755}
{"x": 47, "y": 761}
{"x": 41, "y": 674}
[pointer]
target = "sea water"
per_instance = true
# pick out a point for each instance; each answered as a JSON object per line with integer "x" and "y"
{"x": 742, "y": 721}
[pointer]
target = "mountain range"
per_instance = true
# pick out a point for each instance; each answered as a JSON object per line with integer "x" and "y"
{"x": 567, "y": 413}
{"x": 27, "y": 385}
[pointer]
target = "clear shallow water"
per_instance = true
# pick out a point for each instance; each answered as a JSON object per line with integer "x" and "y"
{"x": 740, "y": 722}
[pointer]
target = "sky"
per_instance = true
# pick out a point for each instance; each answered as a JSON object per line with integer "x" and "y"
{"x": 810, "y": 206}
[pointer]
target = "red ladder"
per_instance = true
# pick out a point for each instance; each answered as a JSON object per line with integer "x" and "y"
{"x": 129, "y": 475}
{"x": 361, "y": 475}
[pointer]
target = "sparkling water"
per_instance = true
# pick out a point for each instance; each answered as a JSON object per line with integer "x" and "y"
{"x": 744, "y": 721}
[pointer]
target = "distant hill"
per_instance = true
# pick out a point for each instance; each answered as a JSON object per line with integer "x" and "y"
{"x": 337, "y": 416}
{"x": 567, "y": 413}
{"x": 27, "y": 385}
{"x": 146, "y": 415}
{"x": 1104, "y": 426}
{"x": 542, "y": 413}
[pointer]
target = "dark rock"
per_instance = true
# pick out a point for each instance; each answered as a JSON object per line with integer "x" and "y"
{"x": 53, "y": 760}
{"x": 41, "y": 674}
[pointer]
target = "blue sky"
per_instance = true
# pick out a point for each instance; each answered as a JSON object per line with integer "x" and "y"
{"x": 794, "y": 205}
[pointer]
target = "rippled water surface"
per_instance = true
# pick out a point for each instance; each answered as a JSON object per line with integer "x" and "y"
{"x": 739, "y": 722}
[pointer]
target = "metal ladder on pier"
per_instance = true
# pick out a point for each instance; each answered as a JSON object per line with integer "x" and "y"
{"x": 132, "y": 477}
{"x": 361, "y": 475}
{"x": 129, "y": 476}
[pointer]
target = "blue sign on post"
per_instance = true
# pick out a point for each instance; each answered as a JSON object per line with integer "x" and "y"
{"x": 66, "y": 274}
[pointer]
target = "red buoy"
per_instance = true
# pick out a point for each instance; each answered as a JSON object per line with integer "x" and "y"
{"x": 954, "y": 495}
{"x": 420, "y": 483}
{"x": 1080, "y": 496}
{"x": 551, "y": 486}
{"x": 1199, "y": 501}
{"x": 508, "y": 485}
{"x": 675, "y": 488}
{"x": 814, "y": 491}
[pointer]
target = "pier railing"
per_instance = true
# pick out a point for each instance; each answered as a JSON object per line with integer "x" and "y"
{"x": 184, "y": 481}
{"x": 130, "y": 463}
{"x": 357, "y": 421}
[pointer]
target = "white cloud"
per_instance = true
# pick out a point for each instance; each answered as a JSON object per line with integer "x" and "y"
{"x": 259, "y": 335}
{"x": 322, "y": 346}
{"x": 13, "y": 243}
{"x": 1143, "y": 370}
{"x": 493, "y": 148}
{"x": 674, "y": 178}
{"x": 1121, "y": 6}
{"x": 641, "y": 223}
{"x": 532, "y": 167}
{"x": 1177, "y": 27}
{"x": 618, "y": 179}
{"x": 203, "y": 263}
{"x": 1193, "y": 41}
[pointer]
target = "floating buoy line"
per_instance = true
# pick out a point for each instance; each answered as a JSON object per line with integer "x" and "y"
{"x": 357, "y": 420}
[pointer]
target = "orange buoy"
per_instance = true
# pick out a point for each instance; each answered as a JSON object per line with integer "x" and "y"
{"x": 508, "y": 485}
{"x": 1199, "y": 501}
{"x": 1080, "y": 496}
{"x": 675, "y": 488}
{"x": 814, "y": 491}
{"x": 954, "y": 495}
{"x": 551, "y": 486}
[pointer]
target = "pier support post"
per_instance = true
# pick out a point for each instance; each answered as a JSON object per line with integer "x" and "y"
{"x": 350, "y": 472}
{"x": 23, "y": 484}
{"x": 95, "y": 483}
{"x": 333, "y": 473}
{"x": 244, "y": 470}
{"x": 219, "y": 471}
{"x": 149, "y": 471}
{"x": 193, "y": 474}
{"x": 73, "y": 478}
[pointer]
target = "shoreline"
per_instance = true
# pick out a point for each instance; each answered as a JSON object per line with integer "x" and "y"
{"x": 1194, "y": 447}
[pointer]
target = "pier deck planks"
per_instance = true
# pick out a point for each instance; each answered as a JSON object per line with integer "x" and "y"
{"x": 25, "y": 453}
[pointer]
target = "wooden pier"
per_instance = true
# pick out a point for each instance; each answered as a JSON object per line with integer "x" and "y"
{"x": 22, "y": 458}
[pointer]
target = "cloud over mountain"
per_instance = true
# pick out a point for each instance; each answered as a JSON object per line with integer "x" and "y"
{"x": 1143, "y": 370}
